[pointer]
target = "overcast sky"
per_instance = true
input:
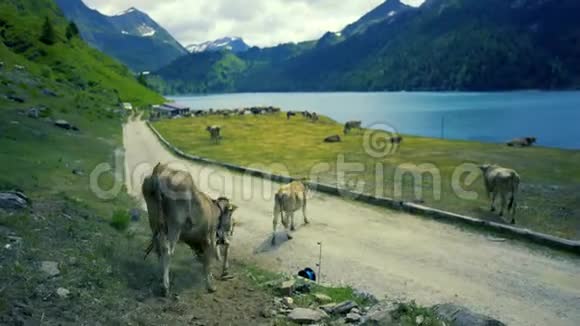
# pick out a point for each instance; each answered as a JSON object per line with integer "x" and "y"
{"x": 259, "y": 22}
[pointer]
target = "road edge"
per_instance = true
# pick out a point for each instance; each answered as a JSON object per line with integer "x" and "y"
{"x": 412, "y": 208}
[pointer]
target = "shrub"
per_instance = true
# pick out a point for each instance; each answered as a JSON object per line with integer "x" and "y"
{"x": 120, "y": 220}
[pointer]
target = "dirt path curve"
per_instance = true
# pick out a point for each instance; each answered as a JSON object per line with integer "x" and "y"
{"x": 385, "y": 252}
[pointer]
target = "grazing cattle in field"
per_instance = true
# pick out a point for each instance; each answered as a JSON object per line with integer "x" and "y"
{"x": 332, "y": 139}
{"x": 396, "y": 139}
{"x": 290, "y": 114}
{"x": 522, "y": 142}
{"x": 314, "y": 117}
{"x": 504, "y": 182}
{"x": 352, "y": 125}
{"x": 214, "y": 132}
{"x": 289, "y": 199}
{"x": 179, "y": 212}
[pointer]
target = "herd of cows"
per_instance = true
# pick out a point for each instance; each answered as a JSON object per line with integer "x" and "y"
{"x": 179, "y": 212}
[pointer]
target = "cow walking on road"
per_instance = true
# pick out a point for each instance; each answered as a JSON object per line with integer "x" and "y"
{"x": 289, "y": 199}
{"x": 178, "y": 211}
{"x": 504, "y": 182}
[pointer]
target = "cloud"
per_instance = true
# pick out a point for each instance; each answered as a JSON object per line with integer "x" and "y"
{"x": 259, "y": 22}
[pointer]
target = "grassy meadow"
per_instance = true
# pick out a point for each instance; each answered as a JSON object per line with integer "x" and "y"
{"x": 548, "y": 198}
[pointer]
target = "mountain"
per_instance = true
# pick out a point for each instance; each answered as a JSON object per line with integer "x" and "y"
{"x": 65, "y": 66}
{"x": 131, "y": 36}
{"x": 443, "y": 45}
{"x": 387, "y": 10}
{"x": 234, "y": 44}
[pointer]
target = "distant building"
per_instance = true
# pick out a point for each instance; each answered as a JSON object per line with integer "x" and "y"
{"x": 172, "y": 110}
{"x": 127, "y": 106}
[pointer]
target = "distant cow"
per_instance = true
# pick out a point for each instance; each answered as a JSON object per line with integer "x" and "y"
{"x": 396, "y": 139}
{"x": 178, "y": 211}
{"x": 522, "y": 142}
{"x": 352, "y": 125}
{"x": 332, "y": 139}
{"x": 290, "y": 114}
{"x": 289, "y": 199}
{"x": 214, "y": 133}
{"x": 501, "y": 181}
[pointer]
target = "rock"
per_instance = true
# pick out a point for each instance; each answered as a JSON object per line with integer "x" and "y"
{"x": 287, "y": 287}
{"x": 343, "y": 308}
{"x": 379, "y": 314}
{"x": 352, "y": 317}
{"x": 15, "y": 98}
{"x": 78, "y": 172}
{"x": 13, "y": 200}
{"x": 322, "y": 298}
{"x": 332, "y": 139}
{"x": 63, "y": 293}
{"x": 33, "y": 113}
{"x": 50, "y": 268}
{"x": 63, "y": 124}
{"x": 49, "y": 92}
{"x": 419, "y": 320}
{"x": 366, "y": 296}
{"x": 289, "y": 302}
{"x": 355, "y": 311}
{"x": 328, "y": 307}
{"x": 135, "y": 214}
{"x": 306, "y": 316}
{"x": 461, "y": 316}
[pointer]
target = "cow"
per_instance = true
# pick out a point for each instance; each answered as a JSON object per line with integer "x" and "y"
{"x": 289, "y": 199}
{"x": 332, "y": 139}
{"x": 352, "y": 125}
{"x": 502, "y": 181}
{"x": 522, "y": 142}
{"x": 290, "y": 114}
{"x": 179, "y": 212}
{"x": 396, "y": 139}
{"x": 214, "y": 132}
{"x": 314, "y": 117}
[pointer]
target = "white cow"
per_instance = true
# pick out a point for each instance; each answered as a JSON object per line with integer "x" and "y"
{"x": 503, "y": 181}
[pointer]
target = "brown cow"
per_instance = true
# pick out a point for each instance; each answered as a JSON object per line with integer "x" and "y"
{"x": 178, "y": 211}
{"x": 214, "y": 133}
{"x": 503, "y": 181}
{"x": 289, "y": 199}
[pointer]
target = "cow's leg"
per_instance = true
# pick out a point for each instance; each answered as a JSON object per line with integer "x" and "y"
{"x": 503, "y": 202}
{"x": 274, "y": 225}
{"x": 493, "y": 195}
{"x": 292, "y": 226}
{"x": 206, "y": 262}
{"x": 165, "y": 262}
{"x": 304, "y": 211}
{"x": 225, "y": 262}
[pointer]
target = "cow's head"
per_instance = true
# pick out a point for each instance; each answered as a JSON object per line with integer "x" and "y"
{"x": 225, "y": 227}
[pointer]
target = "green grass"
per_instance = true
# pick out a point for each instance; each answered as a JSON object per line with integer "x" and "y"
{"x": 550, "y": 177}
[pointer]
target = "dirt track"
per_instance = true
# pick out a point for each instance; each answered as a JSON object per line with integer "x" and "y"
{"x": 385, "y": 252}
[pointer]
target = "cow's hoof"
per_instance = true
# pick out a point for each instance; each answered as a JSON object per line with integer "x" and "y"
{"x": 492, "y": 209}
{"x": 306, "y": 222}
{"x": 292, "y": 228}
{"x": 513, "y": 221}
{"x": 165, "y": 292}
{"x": 290, "y": 237}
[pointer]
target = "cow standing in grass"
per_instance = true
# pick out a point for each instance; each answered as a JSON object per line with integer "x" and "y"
{"x": 504, "y": 182}
{"x": 289, "y": 199}
{"x": 214, "y": 133}
{"x": 352, "y": 125}
{"x": 290, "y": 114}
{"x": 178, "y": 211}
{"x": 522, "y": 142}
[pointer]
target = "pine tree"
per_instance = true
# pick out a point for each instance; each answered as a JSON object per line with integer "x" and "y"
{"x": 48, "y": 35}
{"x": 72, "y": 31}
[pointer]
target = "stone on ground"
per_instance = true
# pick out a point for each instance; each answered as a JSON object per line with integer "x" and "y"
{"x": 306, "y": 316}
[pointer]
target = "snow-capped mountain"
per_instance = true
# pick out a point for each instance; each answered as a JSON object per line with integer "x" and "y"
{"x": 234, "y": 44}
{"x": 131, "y": 36}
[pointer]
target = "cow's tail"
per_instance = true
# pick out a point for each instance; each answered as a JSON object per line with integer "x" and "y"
{"x": 161, "y": 225}
{"x": 515, "y": 186}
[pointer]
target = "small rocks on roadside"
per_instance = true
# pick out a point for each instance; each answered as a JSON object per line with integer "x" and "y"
{"x": 13, "y": 200}
{"x": 289, "y": 302}
{"x": 50, "y": 268}
{"x": 63, "y": 293}
{"x": 352, "y": 317}
{"x": 306, "y": 316}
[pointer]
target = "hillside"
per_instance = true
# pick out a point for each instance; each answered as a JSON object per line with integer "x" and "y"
{"x": 131, "y": 37}
{"x": 443, "y": 45}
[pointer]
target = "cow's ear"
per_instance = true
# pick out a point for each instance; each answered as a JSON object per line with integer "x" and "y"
{"x": 233, "y": 207}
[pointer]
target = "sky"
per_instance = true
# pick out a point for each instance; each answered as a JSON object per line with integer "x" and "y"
{"x": 259, "y": 22}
